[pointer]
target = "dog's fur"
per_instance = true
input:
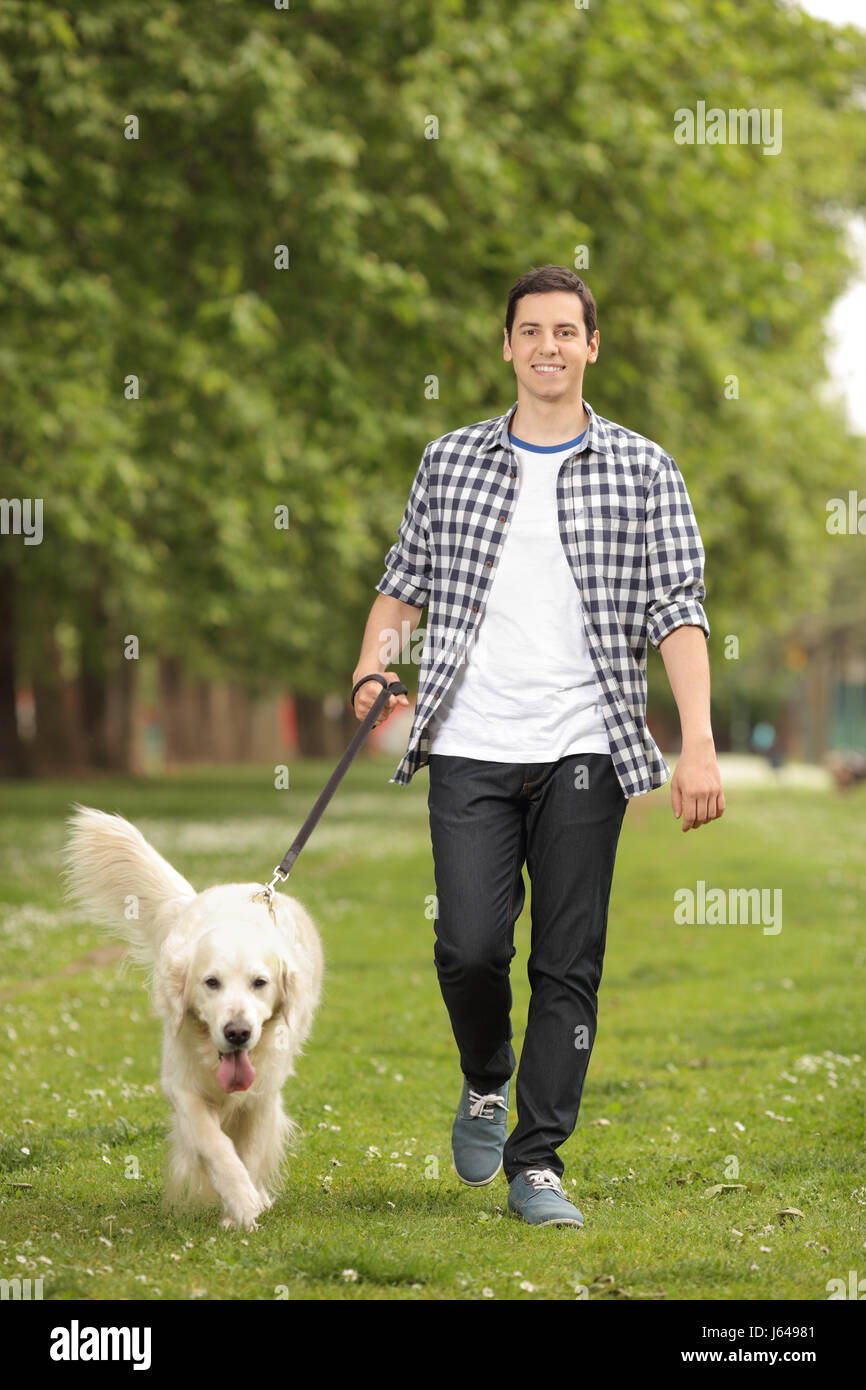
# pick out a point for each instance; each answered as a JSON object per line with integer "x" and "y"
{"x": 265, "y": 971}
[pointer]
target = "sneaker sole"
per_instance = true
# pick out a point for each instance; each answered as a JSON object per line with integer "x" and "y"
{"x": 556, "y": 1221}
{"x": 485, "y": 1182}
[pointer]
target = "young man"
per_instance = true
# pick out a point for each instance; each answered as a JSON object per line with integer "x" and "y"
{"x": 548, "y": 544}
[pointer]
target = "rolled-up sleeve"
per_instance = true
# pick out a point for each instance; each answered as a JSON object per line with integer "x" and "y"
{"x": 408, "y": 564}
{"x": 674, "y": 557}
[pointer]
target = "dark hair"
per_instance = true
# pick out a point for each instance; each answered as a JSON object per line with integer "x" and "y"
{"x": 553, "y": 277}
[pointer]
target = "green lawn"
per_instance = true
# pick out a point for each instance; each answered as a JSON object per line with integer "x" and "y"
{"x": 724, "y": 1055}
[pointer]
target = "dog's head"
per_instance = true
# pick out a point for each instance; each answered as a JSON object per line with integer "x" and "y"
{"x": 231, "y": 968}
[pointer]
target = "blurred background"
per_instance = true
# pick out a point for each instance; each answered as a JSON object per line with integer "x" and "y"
{"x": 255, "y": 257}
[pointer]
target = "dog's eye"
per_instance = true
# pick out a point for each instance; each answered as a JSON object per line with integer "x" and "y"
{"x": 212, "y": 982}
{"x": 259, "y": 983}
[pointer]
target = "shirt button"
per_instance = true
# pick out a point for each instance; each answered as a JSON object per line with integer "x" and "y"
{"x": 488, "y": 562}
{"x": 436, "y": 696}
{"x": 475, "y": 608}
{"x": 502, "y": 518}
{"x": 512, "y": 475}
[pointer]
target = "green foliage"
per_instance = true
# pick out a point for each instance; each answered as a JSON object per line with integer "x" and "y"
{"x": 305, "y": 387}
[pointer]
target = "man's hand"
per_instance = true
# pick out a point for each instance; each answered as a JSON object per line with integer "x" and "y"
{"x": 696, "y": 787}
{"x": 370, "y": 692}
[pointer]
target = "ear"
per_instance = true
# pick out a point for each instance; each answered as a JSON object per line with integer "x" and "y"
{"x": 172, "y": 984}
{"x": 286, "y": 994}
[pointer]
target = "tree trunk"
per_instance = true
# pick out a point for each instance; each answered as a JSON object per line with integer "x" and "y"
{"x": 204, "y": 721}
{"x": 313, "y": 741}
{"x": 15, "y": 757}
{"x": 171, "y": 713}
{"x": 57, "y": 743}
{"x": 122, "y": 688}
{"x": 93, "y": 682}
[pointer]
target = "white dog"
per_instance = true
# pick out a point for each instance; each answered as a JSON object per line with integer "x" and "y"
{"x": 236, "y": 982}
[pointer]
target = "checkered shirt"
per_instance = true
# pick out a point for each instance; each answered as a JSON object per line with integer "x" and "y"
{"x": 628, "y": 530}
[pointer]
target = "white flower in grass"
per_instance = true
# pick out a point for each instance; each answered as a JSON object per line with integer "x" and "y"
{"x": 527, "y": 1287}
{"x": 487, "y": 1293}
{"x": 350, "y": 1275}
{"x": 741, "y": 1128}
{"x": 25, "y": 1151}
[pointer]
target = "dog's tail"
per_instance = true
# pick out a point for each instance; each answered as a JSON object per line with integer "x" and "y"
{"x": 112, "y": 871}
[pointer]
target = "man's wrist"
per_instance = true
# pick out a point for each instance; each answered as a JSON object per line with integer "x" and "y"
{"x": 368, "y": 668}
{"x": 699, "y": 742}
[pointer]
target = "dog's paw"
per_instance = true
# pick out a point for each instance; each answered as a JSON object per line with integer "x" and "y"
{"x": 230, "y": 1225}
{"x": 242, "y": 1213}
{"x": 266, "y": 1201}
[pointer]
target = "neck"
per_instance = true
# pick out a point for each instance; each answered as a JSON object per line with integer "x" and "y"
{"x": 542, "y": 422}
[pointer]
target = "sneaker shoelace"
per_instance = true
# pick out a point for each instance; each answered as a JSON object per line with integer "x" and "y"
{"x": 483, "y": 1105}
{"x": 544, "y": 1178}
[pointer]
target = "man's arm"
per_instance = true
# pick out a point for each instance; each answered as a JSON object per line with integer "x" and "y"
{"x": 404, "y": 590}
{"x": 387, "y": 616}
{"x": 696, "y": 786}
{"x": 677, "y": 626}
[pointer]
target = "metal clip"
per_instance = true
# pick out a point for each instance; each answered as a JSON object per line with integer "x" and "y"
{"x": 268, "y": 893}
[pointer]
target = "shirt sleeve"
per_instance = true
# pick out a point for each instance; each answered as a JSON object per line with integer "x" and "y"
{"x": 408, "y": 563}
{"x": 674, "y": 557}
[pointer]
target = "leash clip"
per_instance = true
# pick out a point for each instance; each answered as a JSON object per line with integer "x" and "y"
{"x": 268, "y": 893}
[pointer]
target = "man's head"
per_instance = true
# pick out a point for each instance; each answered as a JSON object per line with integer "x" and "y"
{"x": 551, "y": 321}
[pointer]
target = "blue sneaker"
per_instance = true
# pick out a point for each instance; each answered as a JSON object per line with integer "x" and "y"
{"x": 536, "y": 1195}
{"x": 478, "y": 1135}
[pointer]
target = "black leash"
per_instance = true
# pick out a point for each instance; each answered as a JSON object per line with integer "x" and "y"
{"x": 287, "y": 863}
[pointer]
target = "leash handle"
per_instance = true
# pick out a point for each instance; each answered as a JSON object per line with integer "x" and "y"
{"x": 287, "y": 863}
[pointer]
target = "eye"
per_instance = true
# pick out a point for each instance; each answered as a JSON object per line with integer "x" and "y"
{"x": 212, "y": 982}
{"x": 259, "y": 983}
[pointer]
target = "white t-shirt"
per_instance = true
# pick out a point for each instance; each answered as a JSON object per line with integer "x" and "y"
{"x": 526, "y": 690}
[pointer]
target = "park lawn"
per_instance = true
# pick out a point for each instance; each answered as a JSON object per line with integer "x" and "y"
{"x": 724, "y": 1055}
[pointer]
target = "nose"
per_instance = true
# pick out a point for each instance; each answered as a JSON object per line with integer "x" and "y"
{"x": 237, "y": 1032}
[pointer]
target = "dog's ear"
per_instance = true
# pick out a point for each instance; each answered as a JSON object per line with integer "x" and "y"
{"x": 172, "y": 983}
{"x": 286, "y": 992}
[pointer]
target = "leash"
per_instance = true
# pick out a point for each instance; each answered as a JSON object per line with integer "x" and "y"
{"x": 287, "y": 863}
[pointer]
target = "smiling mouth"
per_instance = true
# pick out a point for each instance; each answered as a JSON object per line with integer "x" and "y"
{"x": 545, "y": 370}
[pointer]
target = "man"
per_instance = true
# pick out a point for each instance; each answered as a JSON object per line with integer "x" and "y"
{"x": 548, "y": 544}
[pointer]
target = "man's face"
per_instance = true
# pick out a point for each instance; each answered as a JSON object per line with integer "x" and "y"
{"x": 549, "y": 331}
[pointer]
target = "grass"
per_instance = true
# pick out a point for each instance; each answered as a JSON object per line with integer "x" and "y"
{"x": 724, "y": 1055}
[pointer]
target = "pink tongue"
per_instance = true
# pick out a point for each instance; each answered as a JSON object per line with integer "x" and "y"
{"x": 236, "y": 1072}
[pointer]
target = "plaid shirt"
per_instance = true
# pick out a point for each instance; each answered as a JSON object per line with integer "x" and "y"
{"x": 631, "y": 539}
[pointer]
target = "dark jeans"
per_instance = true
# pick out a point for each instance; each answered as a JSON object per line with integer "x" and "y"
{"x": 486, "y": 819}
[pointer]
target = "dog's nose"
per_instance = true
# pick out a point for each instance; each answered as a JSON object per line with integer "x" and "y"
{"x": 237, "y": 1032}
